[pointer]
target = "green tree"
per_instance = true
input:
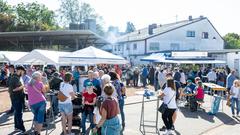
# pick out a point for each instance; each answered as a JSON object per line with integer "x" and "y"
{"x": 5, "y": 8}
{"x": 232, "y": 41}
{"x": 34, "y": 17}
{"x": 7, "y": 18}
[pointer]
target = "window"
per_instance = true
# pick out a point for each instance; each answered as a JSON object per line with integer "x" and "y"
{"x": 115, "y": 48}
{"x": 135, "y": 46}
{"x": 119, "y": 47}
{"x": 190, "y": 33}
{"x": 174, "y": 46}
{"x": 127, "y": 47}
{"x": 154, "y": 46}
{"x": 205, "y": 35}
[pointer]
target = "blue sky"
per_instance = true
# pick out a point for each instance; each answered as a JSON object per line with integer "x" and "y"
{"x": 224, "y": 14}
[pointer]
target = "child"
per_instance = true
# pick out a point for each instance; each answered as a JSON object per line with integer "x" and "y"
{"x": 234, "y": 92}
{"x": 89, "y": 100}
{"x": 199, "y": 92}
{"x": 97, "y": 117}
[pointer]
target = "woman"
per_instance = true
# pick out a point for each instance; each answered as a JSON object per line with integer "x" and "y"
{"x": 109, "y": 123}
{"x": 66, "y": 107}
{"x": 89, "y": 100}
{"x": 118, "y": 88}
{"x": 106, "y": 79}
{"x": 37, "y": 101}
{"x": 169, "y": 95}
{"x": 234, "y": 93}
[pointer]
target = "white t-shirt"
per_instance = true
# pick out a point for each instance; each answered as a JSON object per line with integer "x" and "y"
{"x": 66, "y": 89}
{"x": 235, "y": 92}
{"x": 169, "y": 93}
{"x": 183, "y": 78}
{"x": 211, "y": 76}
{"x": 97, "y": 114}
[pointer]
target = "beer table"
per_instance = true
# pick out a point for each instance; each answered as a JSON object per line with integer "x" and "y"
{"x": 215, "y": 88}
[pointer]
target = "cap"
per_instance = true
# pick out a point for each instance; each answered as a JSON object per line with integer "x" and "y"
{"x": 89, "y": 84}
{"x": 189, "y": 80}
{"x": 56, "y": 74}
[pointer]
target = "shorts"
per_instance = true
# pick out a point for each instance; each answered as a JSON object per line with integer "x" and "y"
{"x": 38, "y": 111}
{"x": 66, "y": 108}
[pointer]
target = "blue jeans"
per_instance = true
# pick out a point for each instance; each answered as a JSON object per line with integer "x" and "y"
{"x": 121, "y": 107}
{"x": 39, "y": 110}
{"x": 144, "y": 81}
{"x": 111, "y": 127}
{"x": 18, "y": 113}
{"x": 233, "y": 101}
{"x": 84, "y": 117}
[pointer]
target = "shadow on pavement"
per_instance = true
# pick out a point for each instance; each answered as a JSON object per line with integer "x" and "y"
{"x": 4, "y": 118}
{"x": 202, "y": 114}
{"x": 226, "y": 119}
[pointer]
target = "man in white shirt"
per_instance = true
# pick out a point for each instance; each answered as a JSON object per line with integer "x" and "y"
{"x": 212, "y": 76}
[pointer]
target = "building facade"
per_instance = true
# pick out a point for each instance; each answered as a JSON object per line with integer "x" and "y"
{"x": 189, "y": 35}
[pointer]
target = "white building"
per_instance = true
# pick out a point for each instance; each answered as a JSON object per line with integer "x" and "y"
{"x": 193, "y": 34}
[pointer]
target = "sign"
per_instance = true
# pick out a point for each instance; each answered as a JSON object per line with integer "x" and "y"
{"x": 189, "y": 54}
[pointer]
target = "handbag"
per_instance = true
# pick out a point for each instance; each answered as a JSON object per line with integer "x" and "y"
{"x": 163, "y": 107}
{"x": 61, "y": 96}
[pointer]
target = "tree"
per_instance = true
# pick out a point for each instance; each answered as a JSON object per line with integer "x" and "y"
{"x": 130, "y": 27}
{"x": 34, "y": 17}
{"x": 7, "y": 18}
{"x": 5, "y": 8}
{"x": 232, "y": 41}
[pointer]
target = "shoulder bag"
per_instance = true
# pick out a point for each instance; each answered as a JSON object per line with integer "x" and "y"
{"x": 163, "y": 107}
{"x": 61, "y": 97}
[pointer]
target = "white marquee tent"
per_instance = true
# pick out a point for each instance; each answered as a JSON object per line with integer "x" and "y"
{"x": 91, "y": 55}
{"x": 154, "y": 57}
{"x": 41, "y": 57}
{"x": 11, "y": 56}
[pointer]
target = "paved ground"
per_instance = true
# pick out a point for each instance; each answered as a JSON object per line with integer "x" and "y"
{"x": 188, "y": 123}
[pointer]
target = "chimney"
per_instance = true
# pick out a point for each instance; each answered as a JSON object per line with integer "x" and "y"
{"x": 201, "y": 17}
{"x": 190, "y": 18}
{"x": 151, "y": 27}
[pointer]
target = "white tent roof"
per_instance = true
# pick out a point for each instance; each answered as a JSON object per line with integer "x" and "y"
{"x": 154, "y": 57}
{"x": 91, "y": 55}
{"x": 41, "y": 57}
{"x": 11, "y": 56}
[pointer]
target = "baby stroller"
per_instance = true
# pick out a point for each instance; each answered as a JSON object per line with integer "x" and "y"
{"x": 77, "y": 109}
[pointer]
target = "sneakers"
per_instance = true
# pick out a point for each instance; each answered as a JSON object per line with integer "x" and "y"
{"x": 169, "y": 132}
{"x": 173, "y": 128}
{"x": 163, "y": 128}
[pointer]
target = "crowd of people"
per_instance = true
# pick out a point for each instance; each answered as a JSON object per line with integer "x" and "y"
{"x": 102, "y": 97}
{"x": 103, "y": 91}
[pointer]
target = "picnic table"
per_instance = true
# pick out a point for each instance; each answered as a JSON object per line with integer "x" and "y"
{"x": 215, "y": 88}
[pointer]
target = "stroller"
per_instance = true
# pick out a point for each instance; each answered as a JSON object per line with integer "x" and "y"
{"x": 77, "y": 109}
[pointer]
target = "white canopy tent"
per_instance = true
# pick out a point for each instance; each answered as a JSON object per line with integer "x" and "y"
{"x": 41, "y": 57}
{"x": 11, "y": 56}
{"x": 91, "y": 55}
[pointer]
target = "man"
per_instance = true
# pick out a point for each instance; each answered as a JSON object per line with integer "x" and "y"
{"x": 55, "y": 85}
{"x": 16, "y": 90}
{"x": 212, "y": 76}
{"x": 230, "y": 79}
{"x": 144, "y": 76}
{"x": 135, "y": 77}
{"x": 96, "y": 82}
{"x": 177, "y": 75}
{"x": 11, "y": 72}
{"x": 76, "y": 76}
{"x": 26, "y": 80}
